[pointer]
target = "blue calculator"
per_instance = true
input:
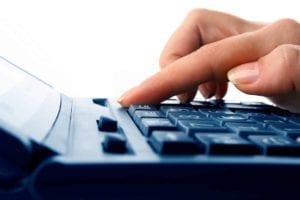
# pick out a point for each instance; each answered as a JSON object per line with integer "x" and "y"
{"x": 56, "y": 147}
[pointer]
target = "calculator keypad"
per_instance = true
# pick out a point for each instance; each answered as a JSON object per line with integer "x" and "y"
{"x": 218, "y": 128}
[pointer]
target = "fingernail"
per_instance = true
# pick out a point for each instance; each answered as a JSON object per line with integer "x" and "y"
{"x": 182, "y": 99}
{"x": 120, "y": 99}
{"x": 124, "y": 97}
{"x": 244, "y": 74}
{"x": 205, "y": 92}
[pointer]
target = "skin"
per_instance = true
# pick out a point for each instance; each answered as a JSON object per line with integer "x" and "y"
{"x": 211, "y": 48}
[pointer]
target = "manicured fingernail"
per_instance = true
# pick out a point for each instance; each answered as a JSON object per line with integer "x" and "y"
{"x": 244, "y": 74}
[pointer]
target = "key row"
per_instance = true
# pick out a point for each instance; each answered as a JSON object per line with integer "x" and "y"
{"x": 195, "y": 122}
{"x": 177, "y": 142}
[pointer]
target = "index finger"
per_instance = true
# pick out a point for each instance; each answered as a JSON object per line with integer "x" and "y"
{"x": 211, "y": 62}
{"x": 201, "y": 27}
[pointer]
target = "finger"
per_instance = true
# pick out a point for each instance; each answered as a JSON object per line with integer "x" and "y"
{"x": 274, "y": 75}
{"x": 200, "y": 27}
{"x": 221, "y": 90}
{"x": 213, "y": 88}
{"x": 187, "y": 96}
{"x": 208, "y": 89}
{"x": 212, "y": 62}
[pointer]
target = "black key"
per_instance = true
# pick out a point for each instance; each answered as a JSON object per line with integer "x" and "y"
{"x": 227, "y": 144}
{"x": 114, "y": 143}
{"x": 200, "y": 126}
{"x": 174, "y": 142}
{"x": 147, "y": 125}
{"x": 276, "y": 145}
{"x": 245, "y": 129}
{"x": 107, "y": 124}
{"x": 186, "y": 115}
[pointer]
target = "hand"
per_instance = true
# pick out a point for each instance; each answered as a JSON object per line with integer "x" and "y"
{"x": 211, "y": 48}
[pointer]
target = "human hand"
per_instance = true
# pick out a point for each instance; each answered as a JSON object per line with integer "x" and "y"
{"x": 210, "y": 48}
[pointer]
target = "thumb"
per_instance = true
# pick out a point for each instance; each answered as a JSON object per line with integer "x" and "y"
{"x": 276, "y": 74}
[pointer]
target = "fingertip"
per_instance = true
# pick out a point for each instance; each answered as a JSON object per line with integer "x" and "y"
{"x": 125, "y": 100}
{"x": 207, "y": 89}
{"x": 221, "y": 90}
{"x": 187, "y": 97}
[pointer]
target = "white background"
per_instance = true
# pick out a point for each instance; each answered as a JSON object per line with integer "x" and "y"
{"x": 101, "y": 48}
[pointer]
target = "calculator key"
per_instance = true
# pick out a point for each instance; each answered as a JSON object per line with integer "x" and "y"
{"x": 147, "y": 125}
{"x": 200, "y": 126}
{"x": 283, "y": 114}
{"x": 250, "y": 128}
{"x": 227, "y": 144}
{"x": 286, "y": 129}
{"x": 114, "y": 143}
{"x": 208, "y": 111}
{"x": 185, "y": 115}
{"x": 223, "y": 118}
{"x": 249, "y": 108}
{"x": 107, "y": 124}
{"x": 294, "y": 120}
{"x": 276, "y": 145}
{"x": 133, "y": 108}
{"x": 175, "y": 108}
{"x": 174, "y": 142}
{"x": 266, "y": 119}
{"x": 139, "y": 114}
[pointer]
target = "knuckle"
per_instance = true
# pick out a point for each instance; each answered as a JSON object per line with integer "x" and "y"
{"x": 162, "y": 61}
{"x": 290, "y": 56}
{"x": 290, "y": 63}
{"x": 287, "y": 25}
{"x": 198, "y": 14}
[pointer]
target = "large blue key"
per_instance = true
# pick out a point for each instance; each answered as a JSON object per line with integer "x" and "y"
{"x": 286, "y": 129}
{"x": 201, "y": 126}
{"x": 139, "y": 114}
{"x": 250, "y": 128}
{"x": 174, "y": 142}
{"x": 276, "y": 145}
{"x": 186, "y": 115}
{"x": 133, "y": 108}
{"x": 166, "y": 109}
{"x": 227, "y": 144}
{"x": 147, "y": 125}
